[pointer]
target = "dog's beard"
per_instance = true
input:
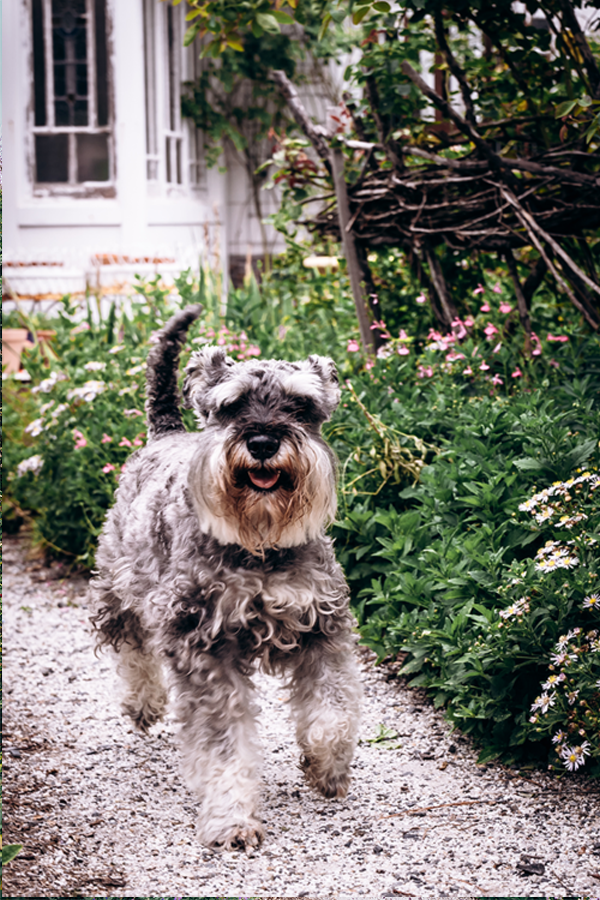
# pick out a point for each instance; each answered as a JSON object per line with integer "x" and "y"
{"x": 283, "y": 502}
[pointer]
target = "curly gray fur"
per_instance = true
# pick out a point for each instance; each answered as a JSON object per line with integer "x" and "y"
{"x": 213, "y": 562}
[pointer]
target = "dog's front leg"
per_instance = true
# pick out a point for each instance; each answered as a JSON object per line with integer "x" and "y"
{"x": 221, "y": 753}
{"x": 326, "y": 696}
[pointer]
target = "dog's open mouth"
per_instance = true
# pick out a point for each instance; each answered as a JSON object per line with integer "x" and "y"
{"x": 263, "y": 480}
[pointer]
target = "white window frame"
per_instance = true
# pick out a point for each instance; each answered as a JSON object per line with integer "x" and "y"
{"x": 174, "y": 158}
{"x": 73, "y": 186}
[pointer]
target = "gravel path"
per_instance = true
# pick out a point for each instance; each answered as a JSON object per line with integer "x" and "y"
{"x": 102, "y": 810}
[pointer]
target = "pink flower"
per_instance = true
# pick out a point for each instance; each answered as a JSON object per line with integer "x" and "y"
{"x": 554, "y": 363}
{"x": 253, "y": 350}
{"x": 434, "y": 335}
{"x": 490, "y": 330}
{"x": 137, "y": 442}
{"x": 125, "y": 442}
{"x": 484, "y": 366}
{"x": 402, "y": 335}
{"x": 468, "y": 371}
{"x": 469, "y": 321}
{"x": 106, "y": 438}
{"x": 453, "y": 356}
{"x": 80, "y": 441}
{"x": 421, "y": 298}
{"x": 123, "y": 468}
{"x": 561, "y": 338}
{"x": 497, "y": 380}
{"x": 498, "y": 347}
{"x": 221, "y": 341}
{"x": 353, "y": 346}
{"x": 497, "y": 288}
{"x": 425, "y": 371}
{"x": 108, "y": 468}
{"x": 479, "y": 290}
{"x": 403, "y": 351}
{"x": 485, "y": 307}
{"x": 517, "y": 373}
{"x": 505, "y": 307}
{"x": 369, "y": 364}
{"x": 459, "y": 329}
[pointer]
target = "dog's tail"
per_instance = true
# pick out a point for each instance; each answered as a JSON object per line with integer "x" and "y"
{"x": 162, "y": 395}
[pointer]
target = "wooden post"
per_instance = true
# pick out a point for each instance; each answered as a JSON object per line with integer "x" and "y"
{"x": 354, "y": 270}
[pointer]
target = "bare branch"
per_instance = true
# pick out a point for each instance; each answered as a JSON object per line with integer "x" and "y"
{"x": 523, "y": 214}
{"x": 454, "y": 67}
{"x": 496, "y": 162}
{"x": 521, "y": 301}
{"x": 315, "y": 133}
{"x": 388, "y": 145}
{"x": 526, "y": 222}
{"x": 570, "y": 21}
{"x": 534, "y": 279}
{"x": 441, "y": 288}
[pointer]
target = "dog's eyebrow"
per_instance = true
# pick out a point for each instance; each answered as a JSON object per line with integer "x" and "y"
{"x": 306, "y": 384}
{"x": 230, "y": 390}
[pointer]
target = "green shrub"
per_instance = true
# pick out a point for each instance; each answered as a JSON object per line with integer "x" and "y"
{"x": 443, "y": 440}
{"x": 431, "y": 564}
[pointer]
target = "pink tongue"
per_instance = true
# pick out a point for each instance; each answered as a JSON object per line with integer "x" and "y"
{"x": 263, "y": 481}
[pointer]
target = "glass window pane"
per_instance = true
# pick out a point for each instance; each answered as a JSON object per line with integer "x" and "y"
{"x": 168, "y": 142}
{"x": 52, "y": 157}
{"x": 80, "y": 112}
{"x": 101, "y": 62}
{"x": 92, "y": 157}
{"x": 69, "y": 41}
{"x": 61, "y": 113}
{"x": 39, "y": 70}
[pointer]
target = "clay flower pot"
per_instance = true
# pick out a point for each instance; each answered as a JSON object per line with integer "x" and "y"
{"x": 14, "y": 341}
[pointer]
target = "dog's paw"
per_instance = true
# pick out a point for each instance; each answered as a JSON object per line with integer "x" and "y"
{"x": 144, "y": 718}
{"x": 329, "y": 784}
{"x": 241, "y": 837}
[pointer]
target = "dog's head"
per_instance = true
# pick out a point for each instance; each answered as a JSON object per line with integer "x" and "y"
{"x": 263, "y": 475}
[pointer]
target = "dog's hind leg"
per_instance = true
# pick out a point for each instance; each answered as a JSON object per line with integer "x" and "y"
{"x": 325, "y": 699}
{"x": 221, "y": 753}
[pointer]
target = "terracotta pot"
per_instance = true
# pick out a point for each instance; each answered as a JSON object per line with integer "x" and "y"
{"x": 14, "y": 340}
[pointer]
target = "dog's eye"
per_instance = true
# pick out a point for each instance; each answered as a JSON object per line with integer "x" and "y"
{"x": 231, "y": 410}
{"x": 301, "y": 408}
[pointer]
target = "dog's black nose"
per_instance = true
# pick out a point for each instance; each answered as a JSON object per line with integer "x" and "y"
{"x": 263, "y": 446}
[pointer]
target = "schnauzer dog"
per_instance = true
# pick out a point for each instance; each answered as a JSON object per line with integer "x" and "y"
{"x": 213, "y": 561}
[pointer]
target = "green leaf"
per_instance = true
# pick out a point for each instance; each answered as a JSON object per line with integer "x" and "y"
{"x": 565, "y": 108}
{"x": 191, "y": 33}
{"x": 267, "y": 22}
{"x": 360, "y": 14}
{"x": 528, "y": 462}
{"x": 9, "y": 852}
{"x": 283, "y": 18}
{"x": 381, "y": 6}
{"x": 324, "y": 26}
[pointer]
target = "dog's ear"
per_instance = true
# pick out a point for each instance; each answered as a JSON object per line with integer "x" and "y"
{"x": 326, "y": 369}
{"x": 206, "y": 368}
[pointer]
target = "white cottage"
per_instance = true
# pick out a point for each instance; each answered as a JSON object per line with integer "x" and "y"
{"x": 103, "y": 177}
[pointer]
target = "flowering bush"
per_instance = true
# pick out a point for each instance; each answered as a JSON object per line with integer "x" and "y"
{"x": 79, "y": 430}
{"x": 568, "y": 707}
{"x": 467, "y": 540}
{"x": 447, "y": 569}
